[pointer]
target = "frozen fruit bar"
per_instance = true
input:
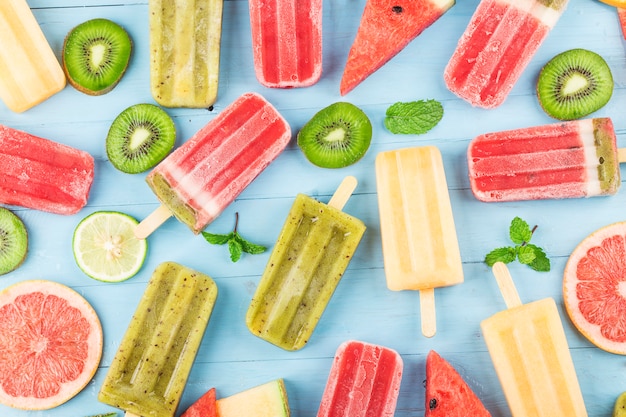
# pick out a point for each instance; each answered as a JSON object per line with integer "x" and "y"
{"x": 150, "y": 369}
{"x": 43, "y": 175}
{"x": 364, "y": 381}
{"x": 387, "y": 27}
{"x": 311, "y": 254}
{"x": 420, "y": 246}
{"x": 563, "y": 160}
{"x": 286, "y": 42}
{"x": 499, "y": 42}
{"x": 29, "y": 70}
{"x": 185, "y": 51}
{"x": 529, "y": 351}
{"x": 201, "y": 178}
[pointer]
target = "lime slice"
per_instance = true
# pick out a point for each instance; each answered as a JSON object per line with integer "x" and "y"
{"x": 105, "y": 246}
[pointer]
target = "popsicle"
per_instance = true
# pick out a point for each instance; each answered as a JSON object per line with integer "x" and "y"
{"x": 286, "y": 42}
{"x": 185, "y": 41}
{"x": 387, "y": 27}
{"x": 43, "y": 175}
{"x": 420, "y": 246}
{"x": 150, "y": 369}
{"x": 311, "y": 254}
{"x": 529, "y": 351}
{"x": 562, "y": 160}
{"x": 202, "y": 177}
{"x": 29, "y": 70}
{"x": 499, "y": 42}
{"x": 364, "y": 381}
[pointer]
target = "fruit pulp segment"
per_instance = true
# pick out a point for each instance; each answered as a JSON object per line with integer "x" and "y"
{"x": 41, "y": 174}
{"x": 267, "y": 400}
{"x": 150, "y": 369}
{"x": 529, "y": 351}
{"x": 287, "y": 42}
{"x": 185, "y": 51}
{"x": 202, "y": 177}
{"x": 386, "y": 28}
{"x": 310, "y": 256}
{"x": 29, "y": 70}
{"x": 499, "y": 42}
{"x": 420, "y": 245}
{"x": 364, "y": 381}
{"x": 563, "y": 160}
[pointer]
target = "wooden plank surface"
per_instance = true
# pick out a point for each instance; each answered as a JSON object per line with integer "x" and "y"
{"x": 231, "y": 359}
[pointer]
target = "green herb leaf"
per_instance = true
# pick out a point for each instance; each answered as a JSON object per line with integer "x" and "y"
{"x": 236, "y": 243}
{"x": 520, "y": 231}
{"x": 414, "y": 117}
{"x": 525, "y": 254}
{"x": 506, "y": 255}
{"x": 541, "y": 262}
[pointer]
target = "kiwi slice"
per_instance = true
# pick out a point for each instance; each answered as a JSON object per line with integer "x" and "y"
{"x": 13, "y": 241}
{"x": 574, "y": 84}
{"x": 95, "y": 56}
{"x": 139, "y": 138}
{"x": 336, "y": 136}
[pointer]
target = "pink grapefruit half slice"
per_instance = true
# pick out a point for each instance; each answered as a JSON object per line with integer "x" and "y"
{"x": 594, "y": 287}
{"x": 50, "y": 344}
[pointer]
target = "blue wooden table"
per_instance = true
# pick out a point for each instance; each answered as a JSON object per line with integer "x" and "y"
{"x": 231, "y": 359}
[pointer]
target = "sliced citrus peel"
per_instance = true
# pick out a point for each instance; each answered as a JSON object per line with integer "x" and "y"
{"x": 594, "y": 288}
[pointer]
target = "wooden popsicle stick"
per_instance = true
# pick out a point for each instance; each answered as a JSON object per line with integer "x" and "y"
{"x": 152, "y": 222}
{"x": 129, "y": 414}
{"x": 506, "y": 285}
{"x": 427, "y": 312}
{"x": 621, "y": 155}
{"x": 343, "y": 192}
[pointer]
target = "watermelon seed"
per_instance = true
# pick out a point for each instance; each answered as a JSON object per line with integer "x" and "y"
{"x": 432, "y": 404}
{"x": 397, "y": 9}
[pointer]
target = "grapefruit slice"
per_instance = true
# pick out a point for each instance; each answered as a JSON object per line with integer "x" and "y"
{"x": 594, "y": 287}
{"x": 50, "y": 344}
{"x": 386, "y": 28}
{"x": 447, "y": 394}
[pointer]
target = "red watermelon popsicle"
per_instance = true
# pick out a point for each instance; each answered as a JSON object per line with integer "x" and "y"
{"x": 287, "y": 42}
{"x": 386, "y": 28}
{"x": 563, "y": 160}
{"x": 499, "y": 42}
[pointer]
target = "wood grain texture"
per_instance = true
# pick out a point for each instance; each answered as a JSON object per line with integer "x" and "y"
{"x": 232, "y": 359}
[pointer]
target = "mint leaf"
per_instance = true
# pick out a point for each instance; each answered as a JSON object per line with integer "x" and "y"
{"x": 236, "y": 243}
{"x": 541, "y": 262}
{"x": 506, "y": 255}
{"x": 216, "y": 239}
{"x": 414, "y": 117}
{"x": 520, "y": 231}
{"x": 525, "y": 254}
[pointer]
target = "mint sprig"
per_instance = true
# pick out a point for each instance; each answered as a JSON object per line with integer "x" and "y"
{"x": 524, "y": 251}
{"x": 236, "y": 243}
{"x": 413, "y": 117}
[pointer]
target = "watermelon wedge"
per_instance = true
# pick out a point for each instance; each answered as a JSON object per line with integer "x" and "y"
{"x": 621, "y": 13}
{"x": 447, "y": 394}
{"x": 203, "y": 407}
{"x": 386, "y": 27}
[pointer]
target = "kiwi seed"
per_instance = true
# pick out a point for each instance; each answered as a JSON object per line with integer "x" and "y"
{"x": 336, "y": 136}
{"x": 139, "y": 138}
{"x": 574, "y": 84}
{"x": 13, "y": 241}
{"x": 95, "y": 56}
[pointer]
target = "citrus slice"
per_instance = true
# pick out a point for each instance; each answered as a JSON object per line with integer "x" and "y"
{"x": 105, "y": 246}
{"x": 616, "y": 3}
{"x": 594, "y": 287}
{"x": 50, "y": 344}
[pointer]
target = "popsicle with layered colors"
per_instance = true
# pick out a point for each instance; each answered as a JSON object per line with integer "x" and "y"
{"x": 529, "y": 351}
{"x": 150, "y": 369}
{"x": 386, "y": 28}
{"x": 286, "y": 42}
{"x": 420, "y": 245}
{"x": 40, "y": 174}
{"x": 500, "y": 40}
{"x": 562, "y": 160}
{"x": 29, "y": 70}
{"x": 311, "y": 254}
{"x": 185, "y": 41}
{"x": 364, "y": 380}
{"x": 197, "y": 181}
